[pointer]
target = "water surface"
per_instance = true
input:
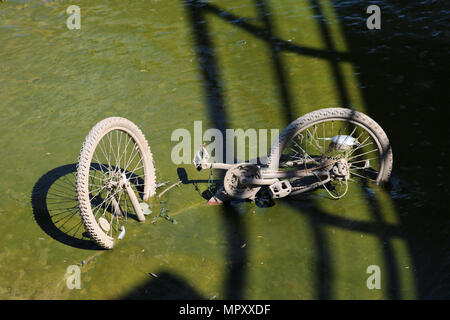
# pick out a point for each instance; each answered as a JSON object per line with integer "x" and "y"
{"x": 253, "y": 64}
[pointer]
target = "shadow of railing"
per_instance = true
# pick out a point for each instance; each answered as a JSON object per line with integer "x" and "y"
{"x": 409, "y": 228}
{"x": 166, "y": 286}
{"x": 234, "y": 229}
{"x": 208, "y": 65}
{"x": 403, "y": 86}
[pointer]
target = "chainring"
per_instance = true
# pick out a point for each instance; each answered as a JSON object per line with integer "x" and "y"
{"x": 233, "y": 181}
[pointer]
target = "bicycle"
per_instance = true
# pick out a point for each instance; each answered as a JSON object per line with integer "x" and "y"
{"x": 325, "y": 148}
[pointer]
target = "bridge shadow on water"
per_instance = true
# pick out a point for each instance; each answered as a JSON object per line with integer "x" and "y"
{"x": 402, "y": 85}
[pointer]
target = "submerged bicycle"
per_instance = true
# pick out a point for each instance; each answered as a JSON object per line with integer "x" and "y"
{"x": 326, "y": 148}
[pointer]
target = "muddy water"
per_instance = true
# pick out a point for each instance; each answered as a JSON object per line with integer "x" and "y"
{"x": 256, "y": 64}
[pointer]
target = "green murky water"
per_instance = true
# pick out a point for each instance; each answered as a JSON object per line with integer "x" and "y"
{"x": 253, "y": 64}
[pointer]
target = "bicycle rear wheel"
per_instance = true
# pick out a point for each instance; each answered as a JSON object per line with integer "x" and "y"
{"x": 327, "y": 135}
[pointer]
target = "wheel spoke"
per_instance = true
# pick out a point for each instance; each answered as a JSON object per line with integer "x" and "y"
{"x": 362, "y": 154}
{"x": 361, "y": 176}
{"x": 302, "y": 149}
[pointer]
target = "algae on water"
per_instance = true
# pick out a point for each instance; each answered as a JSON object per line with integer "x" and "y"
{"x": 164, "y": 213}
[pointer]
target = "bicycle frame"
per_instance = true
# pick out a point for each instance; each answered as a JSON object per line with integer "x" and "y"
{"x": 268, "y": 177}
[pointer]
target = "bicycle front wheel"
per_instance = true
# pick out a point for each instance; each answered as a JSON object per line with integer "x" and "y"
{"x": 115, "y": 171}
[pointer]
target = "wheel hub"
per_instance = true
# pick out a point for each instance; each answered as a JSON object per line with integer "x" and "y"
{"x": 113, "y": 180}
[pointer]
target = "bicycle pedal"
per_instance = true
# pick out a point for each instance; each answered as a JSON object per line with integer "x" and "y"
{"x": 280, "y": 189}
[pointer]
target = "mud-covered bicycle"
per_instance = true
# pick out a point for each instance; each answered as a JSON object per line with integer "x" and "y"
{"x": 326, "y": 148}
